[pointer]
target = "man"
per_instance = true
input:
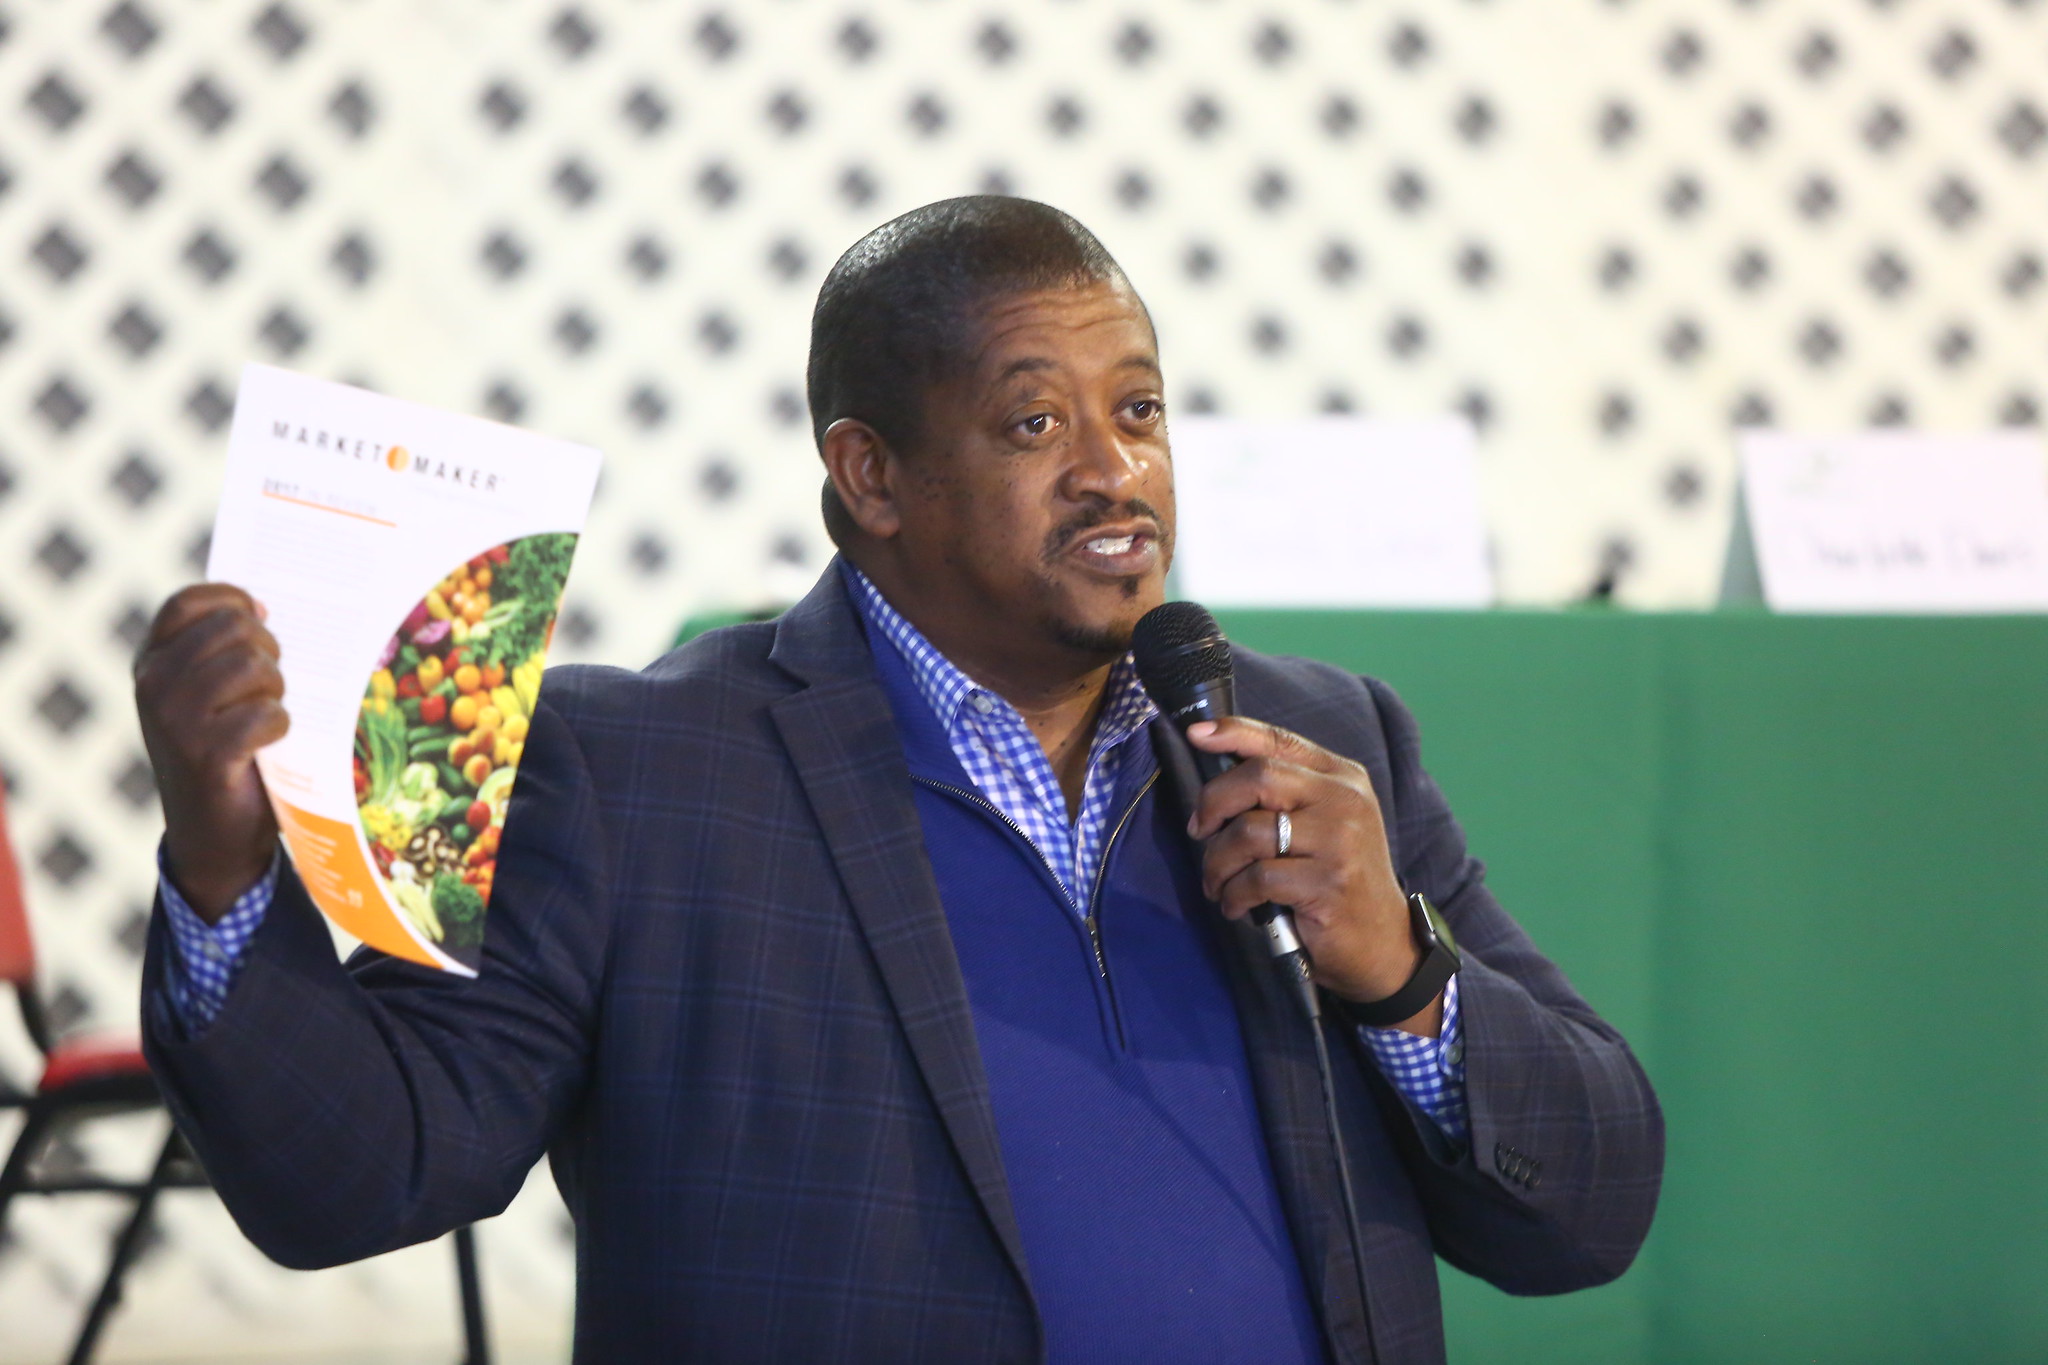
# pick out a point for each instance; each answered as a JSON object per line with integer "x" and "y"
{"x": 865, "y": 987}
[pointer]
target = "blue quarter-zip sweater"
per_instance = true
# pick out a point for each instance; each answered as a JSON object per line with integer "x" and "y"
{"x": 1123, "y": 1101}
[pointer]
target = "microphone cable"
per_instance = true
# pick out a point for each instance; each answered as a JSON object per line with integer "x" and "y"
{"x": 1328, "y": 1075}
{"x": 1185, "y": 664}
{"x": 1294, "y": 968}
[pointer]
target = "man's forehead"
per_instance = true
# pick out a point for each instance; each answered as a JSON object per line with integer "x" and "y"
{"x": 1101, "y": 323}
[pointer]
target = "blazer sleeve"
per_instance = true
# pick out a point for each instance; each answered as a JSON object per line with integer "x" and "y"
{"x": 344, "y": 1110}
{"x": 1557, "y": 1186}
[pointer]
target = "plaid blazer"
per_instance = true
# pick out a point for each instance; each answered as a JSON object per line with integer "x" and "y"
{"x": 720, "y": 993}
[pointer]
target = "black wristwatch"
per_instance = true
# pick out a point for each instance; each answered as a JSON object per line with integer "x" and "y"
{"x": 1439, "y": 964}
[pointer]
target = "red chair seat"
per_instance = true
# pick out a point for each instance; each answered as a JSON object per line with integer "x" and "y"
{"x": 94, "y": 1057}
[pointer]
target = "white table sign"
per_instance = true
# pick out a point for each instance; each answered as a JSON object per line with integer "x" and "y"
{"x": 1329, "y": 512}
{"x": 1896, "y": 521}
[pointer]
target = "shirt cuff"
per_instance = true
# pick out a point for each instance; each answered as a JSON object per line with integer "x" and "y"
{"x": 207, "y": 957}
{"x": 1429, "y": 1072}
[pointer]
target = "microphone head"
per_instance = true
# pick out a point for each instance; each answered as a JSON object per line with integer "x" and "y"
{"x": 1178, "y": 648}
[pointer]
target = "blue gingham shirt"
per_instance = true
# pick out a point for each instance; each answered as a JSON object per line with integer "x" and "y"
{"x": 998, "y": 750}
{"x": 1004, "y": 758}
{"x": 992, "y": 741}
{"x": 208, "y": 957}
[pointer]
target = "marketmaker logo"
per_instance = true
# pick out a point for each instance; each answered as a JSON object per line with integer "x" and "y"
{"x": 395, "y": 458}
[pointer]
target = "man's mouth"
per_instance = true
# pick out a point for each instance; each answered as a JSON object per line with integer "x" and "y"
{"x": 1121, "y": 552}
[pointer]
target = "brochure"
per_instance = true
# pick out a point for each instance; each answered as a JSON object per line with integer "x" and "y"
{"x": 411, "y": 562}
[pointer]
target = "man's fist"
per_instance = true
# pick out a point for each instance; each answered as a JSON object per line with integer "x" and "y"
{"x": 1336, "y": 874}
{"x": 210, "y": 695}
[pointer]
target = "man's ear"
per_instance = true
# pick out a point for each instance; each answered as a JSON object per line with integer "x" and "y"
{"x": 863, "y": 470}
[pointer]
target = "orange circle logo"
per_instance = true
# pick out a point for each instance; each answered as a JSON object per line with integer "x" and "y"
{"x": 396, "y": 458}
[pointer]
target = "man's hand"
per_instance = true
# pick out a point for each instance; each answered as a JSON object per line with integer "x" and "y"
{"x": 1337, "y": 877}
{"x": 210, "y": 695}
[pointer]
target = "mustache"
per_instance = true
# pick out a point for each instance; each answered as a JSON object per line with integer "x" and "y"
{"x": 1071, "y": 530}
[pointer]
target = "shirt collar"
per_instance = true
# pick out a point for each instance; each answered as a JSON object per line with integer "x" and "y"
{"x": 946, "y": 689}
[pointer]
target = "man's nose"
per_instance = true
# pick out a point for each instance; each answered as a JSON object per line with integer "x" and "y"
{"x": 1105, "y": 463}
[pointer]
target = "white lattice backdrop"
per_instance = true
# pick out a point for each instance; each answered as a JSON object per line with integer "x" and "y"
{"x": 1609, "y": 231}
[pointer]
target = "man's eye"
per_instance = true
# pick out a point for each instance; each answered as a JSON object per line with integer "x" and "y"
{"x": 1144, "y": 409}
{"x": 1037, "y": 425}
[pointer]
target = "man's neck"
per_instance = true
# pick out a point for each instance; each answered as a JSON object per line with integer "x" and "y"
{"x": 1060, "y": 694}
{"x": 1064, "y": 726}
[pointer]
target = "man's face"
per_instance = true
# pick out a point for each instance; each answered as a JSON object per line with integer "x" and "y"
{"x": 1042, "y": 489}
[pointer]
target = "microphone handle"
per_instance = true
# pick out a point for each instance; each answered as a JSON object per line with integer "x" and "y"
{"x": 1289, "y": 954}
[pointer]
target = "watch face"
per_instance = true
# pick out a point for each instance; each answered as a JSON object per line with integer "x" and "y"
{"x": 1437, "y": 926}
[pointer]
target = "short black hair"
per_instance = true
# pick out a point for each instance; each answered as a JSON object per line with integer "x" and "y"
{"x": 894, "y": 316}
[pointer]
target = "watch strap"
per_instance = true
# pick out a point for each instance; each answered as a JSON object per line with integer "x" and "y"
{"x": 1439, "y": 964}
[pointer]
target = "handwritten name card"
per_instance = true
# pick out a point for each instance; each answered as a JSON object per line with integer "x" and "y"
{"x": 1898, "y": 521}
{"x": 1330, "y": 512}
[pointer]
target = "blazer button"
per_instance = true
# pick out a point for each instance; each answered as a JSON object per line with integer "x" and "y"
{"x": 1515, "y": 1166}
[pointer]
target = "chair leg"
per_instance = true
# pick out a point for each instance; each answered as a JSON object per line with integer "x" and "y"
{"x": 36, "y": 1120}
{"x": 125, "y": 1247}
{"x": 476, "y": 1342}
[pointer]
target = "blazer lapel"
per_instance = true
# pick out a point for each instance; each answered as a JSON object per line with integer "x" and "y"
{"x": 842, "y": 740}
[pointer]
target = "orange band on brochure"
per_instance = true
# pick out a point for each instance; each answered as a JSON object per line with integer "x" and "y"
{"x": 324, "y": 507}
{"x": 342, "y": 884}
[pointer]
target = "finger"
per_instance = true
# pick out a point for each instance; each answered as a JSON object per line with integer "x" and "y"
{"x": 227, "y": 742}
{"x": 256, "y": 677}
{"x": 243, "y": 729}
{"x": 242, "y": 628}
{"x": 1261, "y": 782}
{"x": 187, "y": 605}
{"x": 1248, "y": 739}
{"x": 224, "y": 679}
{"x": 163, "y": 670}
{"x": 225, "y": 629}
{"x": 1276, "y": 881}
{"x": 168, "y": 652}
{"x": 1239, "y": 844}
{"x": 197, "y": 638}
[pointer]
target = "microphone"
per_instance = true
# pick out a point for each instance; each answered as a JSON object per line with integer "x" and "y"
{"x": 1184, "y": 663}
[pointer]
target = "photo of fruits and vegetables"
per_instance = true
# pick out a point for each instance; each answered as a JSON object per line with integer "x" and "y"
{"x": 441, "y": 728}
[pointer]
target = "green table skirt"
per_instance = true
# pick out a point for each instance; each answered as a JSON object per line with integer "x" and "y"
{"x": 1801, "y": 863}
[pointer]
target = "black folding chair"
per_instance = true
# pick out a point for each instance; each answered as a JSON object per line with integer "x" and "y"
{"x": 86, "y": 1077}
